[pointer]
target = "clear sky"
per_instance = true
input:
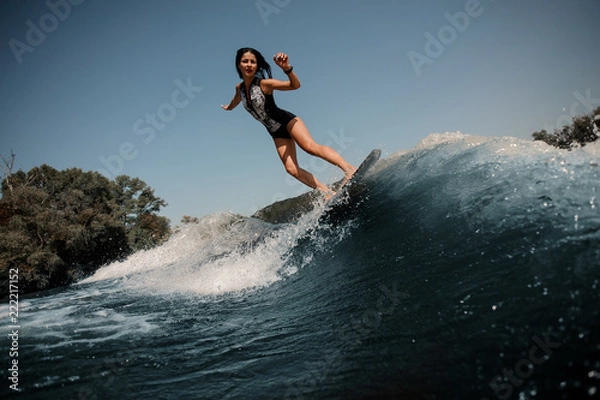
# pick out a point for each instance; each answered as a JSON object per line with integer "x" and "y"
{"x": 135, "y": 87}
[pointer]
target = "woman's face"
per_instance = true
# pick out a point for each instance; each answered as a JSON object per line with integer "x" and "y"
{"x": 248, "y": 64}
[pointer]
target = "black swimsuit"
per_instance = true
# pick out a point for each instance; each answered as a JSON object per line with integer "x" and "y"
{"x": 263, "y": 108}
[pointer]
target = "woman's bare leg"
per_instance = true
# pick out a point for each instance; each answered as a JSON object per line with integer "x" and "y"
{"x": 301, "y": 135}
{"x": 286, "y": 148}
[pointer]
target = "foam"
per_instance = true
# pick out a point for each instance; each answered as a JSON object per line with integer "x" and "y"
{"x": 223, "y": 253}
{"x": 227, "y": 252}
{"x": 74, "y": 317}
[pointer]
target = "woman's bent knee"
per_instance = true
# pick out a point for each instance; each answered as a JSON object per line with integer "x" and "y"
{"x": 292, "y": 170}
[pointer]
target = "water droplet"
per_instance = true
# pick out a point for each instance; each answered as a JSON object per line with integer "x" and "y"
{"x": 563, "y": 385}
{"x": 591, "y": 374}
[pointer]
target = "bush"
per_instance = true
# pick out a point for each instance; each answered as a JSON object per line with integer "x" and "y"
{"x": 59, "y": 226}
{"x": 583, "y": 130}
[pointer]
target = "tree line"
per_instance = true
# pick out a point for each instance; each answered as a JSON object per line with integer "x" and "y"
{"x": 584, "y": 129}
{"x": 57, "y": 227}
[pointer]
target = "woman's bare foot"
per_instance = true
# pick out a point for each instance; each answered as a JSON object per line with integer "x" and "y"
{"x": 328, "y": 194}
{"x": 349, "y": 174}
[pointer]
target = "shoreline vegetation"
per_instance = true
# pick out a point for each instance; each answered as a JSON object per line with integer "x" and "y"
{"x": 57, "y": 227}
{"x": 583, "y": 129}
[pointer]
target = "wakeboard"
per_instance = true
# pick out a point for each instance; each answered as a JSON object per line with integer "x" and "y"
{"x": 363, "y": 168}
{"x": 347, "y": 187}
{"x": 350, "y": 194}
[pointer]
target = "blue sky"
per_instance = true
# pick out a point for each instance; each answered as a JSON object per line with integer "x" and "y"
{"x": 135, "y": 87}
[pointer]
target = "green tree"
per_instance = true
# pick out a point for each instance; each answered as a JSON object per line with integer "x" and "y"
{"x": 581, "y": 131}
{"x": 137, "y": 211}
{"x": 58, "y": 226}
{"x": 186, "y": 219}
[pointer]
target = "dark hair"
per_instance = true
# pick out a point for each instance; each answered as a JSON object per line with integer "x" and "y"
{"x": 263, "y": 67}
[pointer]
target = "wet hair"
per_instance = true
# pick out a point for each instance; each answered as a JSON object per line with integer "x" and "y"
{"x": 263, "y": 67}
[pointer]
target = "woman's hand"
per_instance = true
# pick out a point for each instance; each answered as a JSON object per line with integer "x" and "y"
{"x": 281, "y": 59}
{"x": 293, "y": 83}
{"x": 235, "y": 101}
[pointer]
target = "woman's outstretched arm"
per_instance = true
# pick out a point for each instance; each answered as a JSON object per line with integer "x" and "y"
{"x": 235, "y": 101}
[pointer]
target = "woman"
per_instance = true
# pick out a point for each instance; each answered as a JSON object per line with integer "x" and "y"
{"x": 286, "y": 129}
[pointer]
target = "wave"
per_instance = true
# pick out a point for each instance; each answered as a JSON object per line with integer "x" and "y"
{"x": 433, "y": 278}
{"x": 223, "y": 253}
{"x": 471, "y": 185}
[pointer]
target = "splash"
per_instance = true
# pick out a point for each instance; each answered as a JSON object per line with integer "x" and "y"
{"x": 223, "y": 253}
{"x": 479, "y": 180}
